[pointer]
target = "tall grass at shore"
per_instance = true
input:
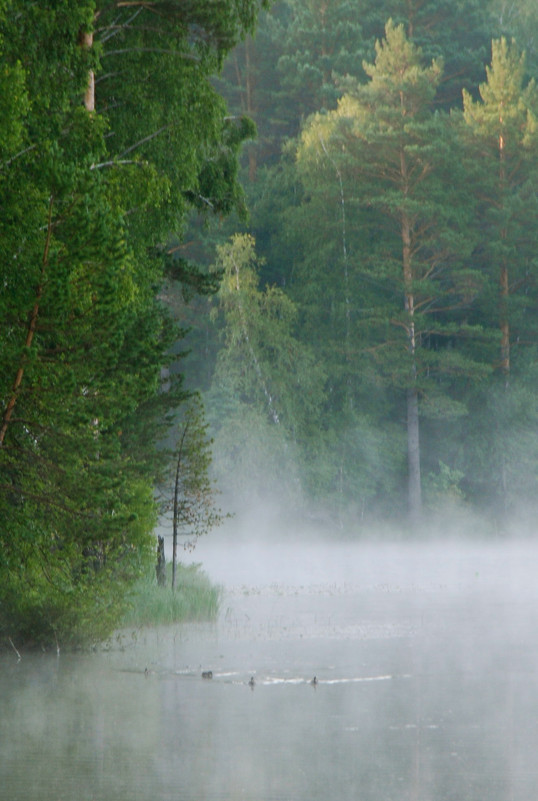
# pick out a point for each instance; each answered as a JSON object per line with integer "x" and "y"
{"x": 194, "y": 599}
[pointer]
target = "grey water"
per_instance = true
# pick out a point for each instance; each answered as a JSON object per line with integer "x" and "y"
{"x": 425, "y": 658}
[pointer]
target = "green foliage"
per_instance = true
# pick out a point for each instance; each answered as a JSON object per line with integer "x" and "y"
{"x": 159, "y": 58}
{"x": 380, "y": 169}
{"x": 89, "y": 196}
{"x": 443, "y": 487}
{"x": 322, "y": 40}
{"x": 266, "y": 385}
{"x": 518, "y": 21}
{"x": 395, "y": 259}
{"x": 502, "y": 131}
{"x": 502, "y": 135}
{"x": 407, "y": 224}
{"x": 262, "y": 360}
{"x": 303, "y": 48}
{"x": 457, "y": 31}
{"x": 187, "y": 494}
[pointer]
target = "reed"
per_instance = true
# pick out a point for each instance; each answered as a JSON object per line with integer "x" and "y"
{"x": 195, "y": 599}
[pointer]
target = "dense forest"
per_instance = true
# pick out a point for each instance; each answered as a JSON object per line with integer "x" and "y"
{"x": 318, "y": 215}
{"x": 372, "y": 352}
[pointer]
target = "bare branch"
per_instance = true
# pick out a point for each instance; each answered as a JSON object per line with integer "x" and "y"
{"x": 18, "y": 155}
{"x": 161, "y": 50}
{"x": 18, "y": 654}
{"x": 115, "y": 163}
{"x": 144, "y": 140}
{"x": 114, "y": 29}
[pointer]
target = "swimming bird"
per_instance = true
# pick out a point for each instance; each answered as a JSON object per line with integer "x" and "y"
{"x": 207, "y": 674}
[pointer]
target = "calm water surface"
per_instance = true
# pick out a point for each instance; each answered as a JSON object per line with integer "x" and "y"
{"x": 427, "y": 686}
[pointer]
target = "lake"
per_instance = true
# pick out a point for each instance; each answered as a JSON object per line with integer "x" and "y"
{"x": 425, "y": 657}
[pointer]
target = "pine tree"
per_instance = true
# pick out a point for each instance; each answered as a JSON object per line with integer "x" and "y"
{"x": 518, "y": 21}
{"x": 456, "y": 31}
{"x": 396, "y": 157}
{"x": 504, "y": 128}
{"x": 502, "y": 136}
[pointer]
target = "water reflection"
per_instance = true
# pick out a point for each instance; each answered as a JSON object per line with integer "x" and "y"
{"x": 426, "y": 690}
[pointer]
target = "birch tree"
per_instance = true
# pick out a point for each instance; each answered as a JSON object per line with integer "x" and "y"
{"x": 264, "y": 374}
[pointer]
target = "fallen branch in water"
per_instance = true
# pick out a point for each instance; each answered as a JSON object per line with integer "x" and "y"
{"x": 18, "y": 654}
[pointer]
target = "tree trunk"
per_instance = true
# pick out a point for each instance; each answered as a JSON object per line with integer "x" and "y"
{"x": 250, "y": 110}
{"x": 160, "y": 568}
{"x": 175, "y": 520}
{"x": 176, "y": 504}
{"x": 247, "y": 92}
{"x": 32, "y": 324}
{"x": 414, "y": 490}
{"x": 504, "y": 285}
{"x": 503, "y": 323}
{"x": 86, "y": 41}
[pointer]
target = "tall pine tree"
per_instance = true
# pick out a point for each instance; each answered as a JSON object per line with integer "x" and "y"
{"x": 502, "y": 137}
{"x": 397, "y": 159}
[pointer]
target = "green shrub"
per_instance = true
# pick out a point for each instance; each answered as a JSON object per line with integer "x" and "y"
{"x": 59, "y": 597}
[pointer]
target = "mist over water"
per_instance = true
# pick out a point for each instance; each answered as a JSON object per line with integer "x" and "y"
{"x": 425, "y": 656}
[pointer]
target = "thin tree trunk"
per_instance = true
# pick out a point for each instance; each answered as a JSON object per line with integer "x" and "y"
{"x": 32, "y": 324}
{"x": 174, "y": 525}
{"x": 504, "y": 324}
{"x": 243, "y": 317}
{"x": 86, "y": 41}
{"x": 249, "y": 78}
{"x": 413, "y": 457}
{"x": 176, "y": 506}
{"x": 414, "y": 492}
{"x": 347, "y": 299}
{"x": 246, "y": 93}
{"x": 504, "y": 284}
